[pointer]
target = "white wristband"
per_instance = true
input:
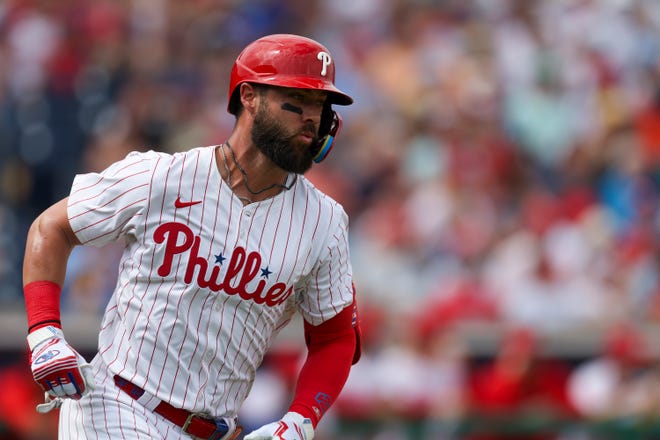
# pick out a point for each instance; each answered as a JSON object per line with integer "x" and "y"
{"x": 44, "y": 333}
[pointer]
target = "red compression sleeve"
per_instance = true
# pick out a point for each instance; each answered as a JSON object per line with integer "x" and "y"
{"x": 331, "y": 346}
{"x": 42, "y": 304}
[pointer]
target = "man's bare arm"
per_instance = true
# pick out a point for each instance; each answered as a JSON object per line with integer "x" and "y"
{"x": 49, "y": 244}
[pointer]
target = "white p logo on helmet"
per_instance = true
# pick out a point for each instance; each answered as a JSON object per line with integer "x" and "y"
{"x": 325, "y": 58}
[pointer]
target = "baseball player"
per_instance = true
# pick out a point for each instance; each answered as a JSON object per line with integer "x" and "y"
{"x": 223, "y": 244}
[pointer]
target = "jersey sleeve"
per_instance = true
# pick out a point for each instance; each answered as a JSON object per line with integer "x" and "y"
{"x": 104, "y": 206}
{"x": 329, "y": 288}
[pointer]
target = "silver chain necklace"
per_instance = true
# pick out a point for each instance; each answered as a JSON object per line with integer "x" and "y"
{"x": 245, "y": 177}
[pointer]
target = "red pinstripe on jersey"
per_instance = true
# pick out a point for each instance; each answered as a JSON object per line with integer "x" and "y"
{"x": 195, "y": 345}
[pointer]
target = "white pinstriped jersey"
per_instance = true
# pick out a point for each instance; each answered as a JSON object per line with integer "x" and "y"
{"x": 204, "y": 282}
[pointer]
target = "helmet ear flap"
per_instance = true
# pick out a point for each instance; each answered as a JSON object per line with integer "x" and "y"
{"x": 329, "y": 128}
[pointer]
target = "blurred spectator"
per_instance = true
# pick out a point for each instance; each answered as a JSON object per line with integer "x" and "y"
{"x": 410, "y": 383}
{"x": 618, "y": 383}
{"x": 647, "y": 122}
{"x": 519, "y": 393}
{"x": 447, "y": 358}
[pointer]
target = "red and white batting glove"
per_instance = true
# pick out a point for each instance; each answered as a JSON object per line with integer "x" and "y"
{"x": 59, "y": 369}
{"x": 292, "y": 426}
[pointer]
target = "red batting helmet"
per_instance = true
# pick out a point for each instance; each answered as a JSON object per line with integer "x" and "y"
{"x": 286, "y": 60}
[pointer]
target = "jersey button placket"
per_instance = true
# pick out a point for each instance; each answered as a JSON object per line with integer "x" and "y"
{"x": 248, "y": 212}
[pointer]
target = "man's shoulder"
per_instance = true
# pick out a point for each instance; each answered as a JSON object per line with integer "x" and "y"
{"x": 316, "y": 196}
{"x": 152, "y": 153}
{"x": 168, "y": 159}
{"x": 144, "y": 156}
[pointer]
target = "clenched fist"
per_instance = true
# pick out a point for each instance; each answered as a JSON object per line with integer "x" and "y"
{"x": 60, "y": 370}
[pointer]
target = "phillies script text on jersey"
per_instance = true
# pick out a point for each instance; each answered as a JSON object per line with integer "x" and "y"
{"x": 242, "y": 264}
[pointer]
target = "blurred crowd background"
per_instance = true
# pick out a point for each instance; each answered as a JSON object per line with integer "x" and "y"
{"x": 500, "y": 166}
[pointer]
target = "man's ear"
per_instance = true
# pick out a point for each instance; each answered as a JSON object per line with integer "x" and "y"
{"x": 249, "y": 97}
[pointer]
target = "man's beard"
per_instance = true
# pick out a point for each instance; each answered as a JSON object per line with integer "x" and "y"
{"x": 272, "y": 139}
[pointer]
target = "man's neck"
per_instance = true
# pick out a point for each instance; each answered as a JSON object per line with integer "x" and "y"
{"x": 250, "y": 175}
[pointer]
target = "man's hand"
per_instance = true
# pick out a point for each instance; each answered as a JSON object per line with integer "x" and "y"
{"x": 292, "y": 426}
{"x": 57, "y": 367}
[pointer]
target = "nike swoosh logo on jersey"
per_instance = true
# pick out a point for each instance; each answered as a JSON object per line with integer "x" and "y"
{"x": 178, "y": 203}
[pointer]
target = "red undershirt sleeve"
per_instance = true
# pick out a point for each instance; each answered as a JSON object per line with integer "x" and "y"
{"x": 333, "y": 347}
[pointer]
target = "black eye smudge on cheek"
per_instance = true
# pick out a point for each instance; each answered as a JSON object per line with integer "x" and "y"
{"x": 292, "y": 108}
